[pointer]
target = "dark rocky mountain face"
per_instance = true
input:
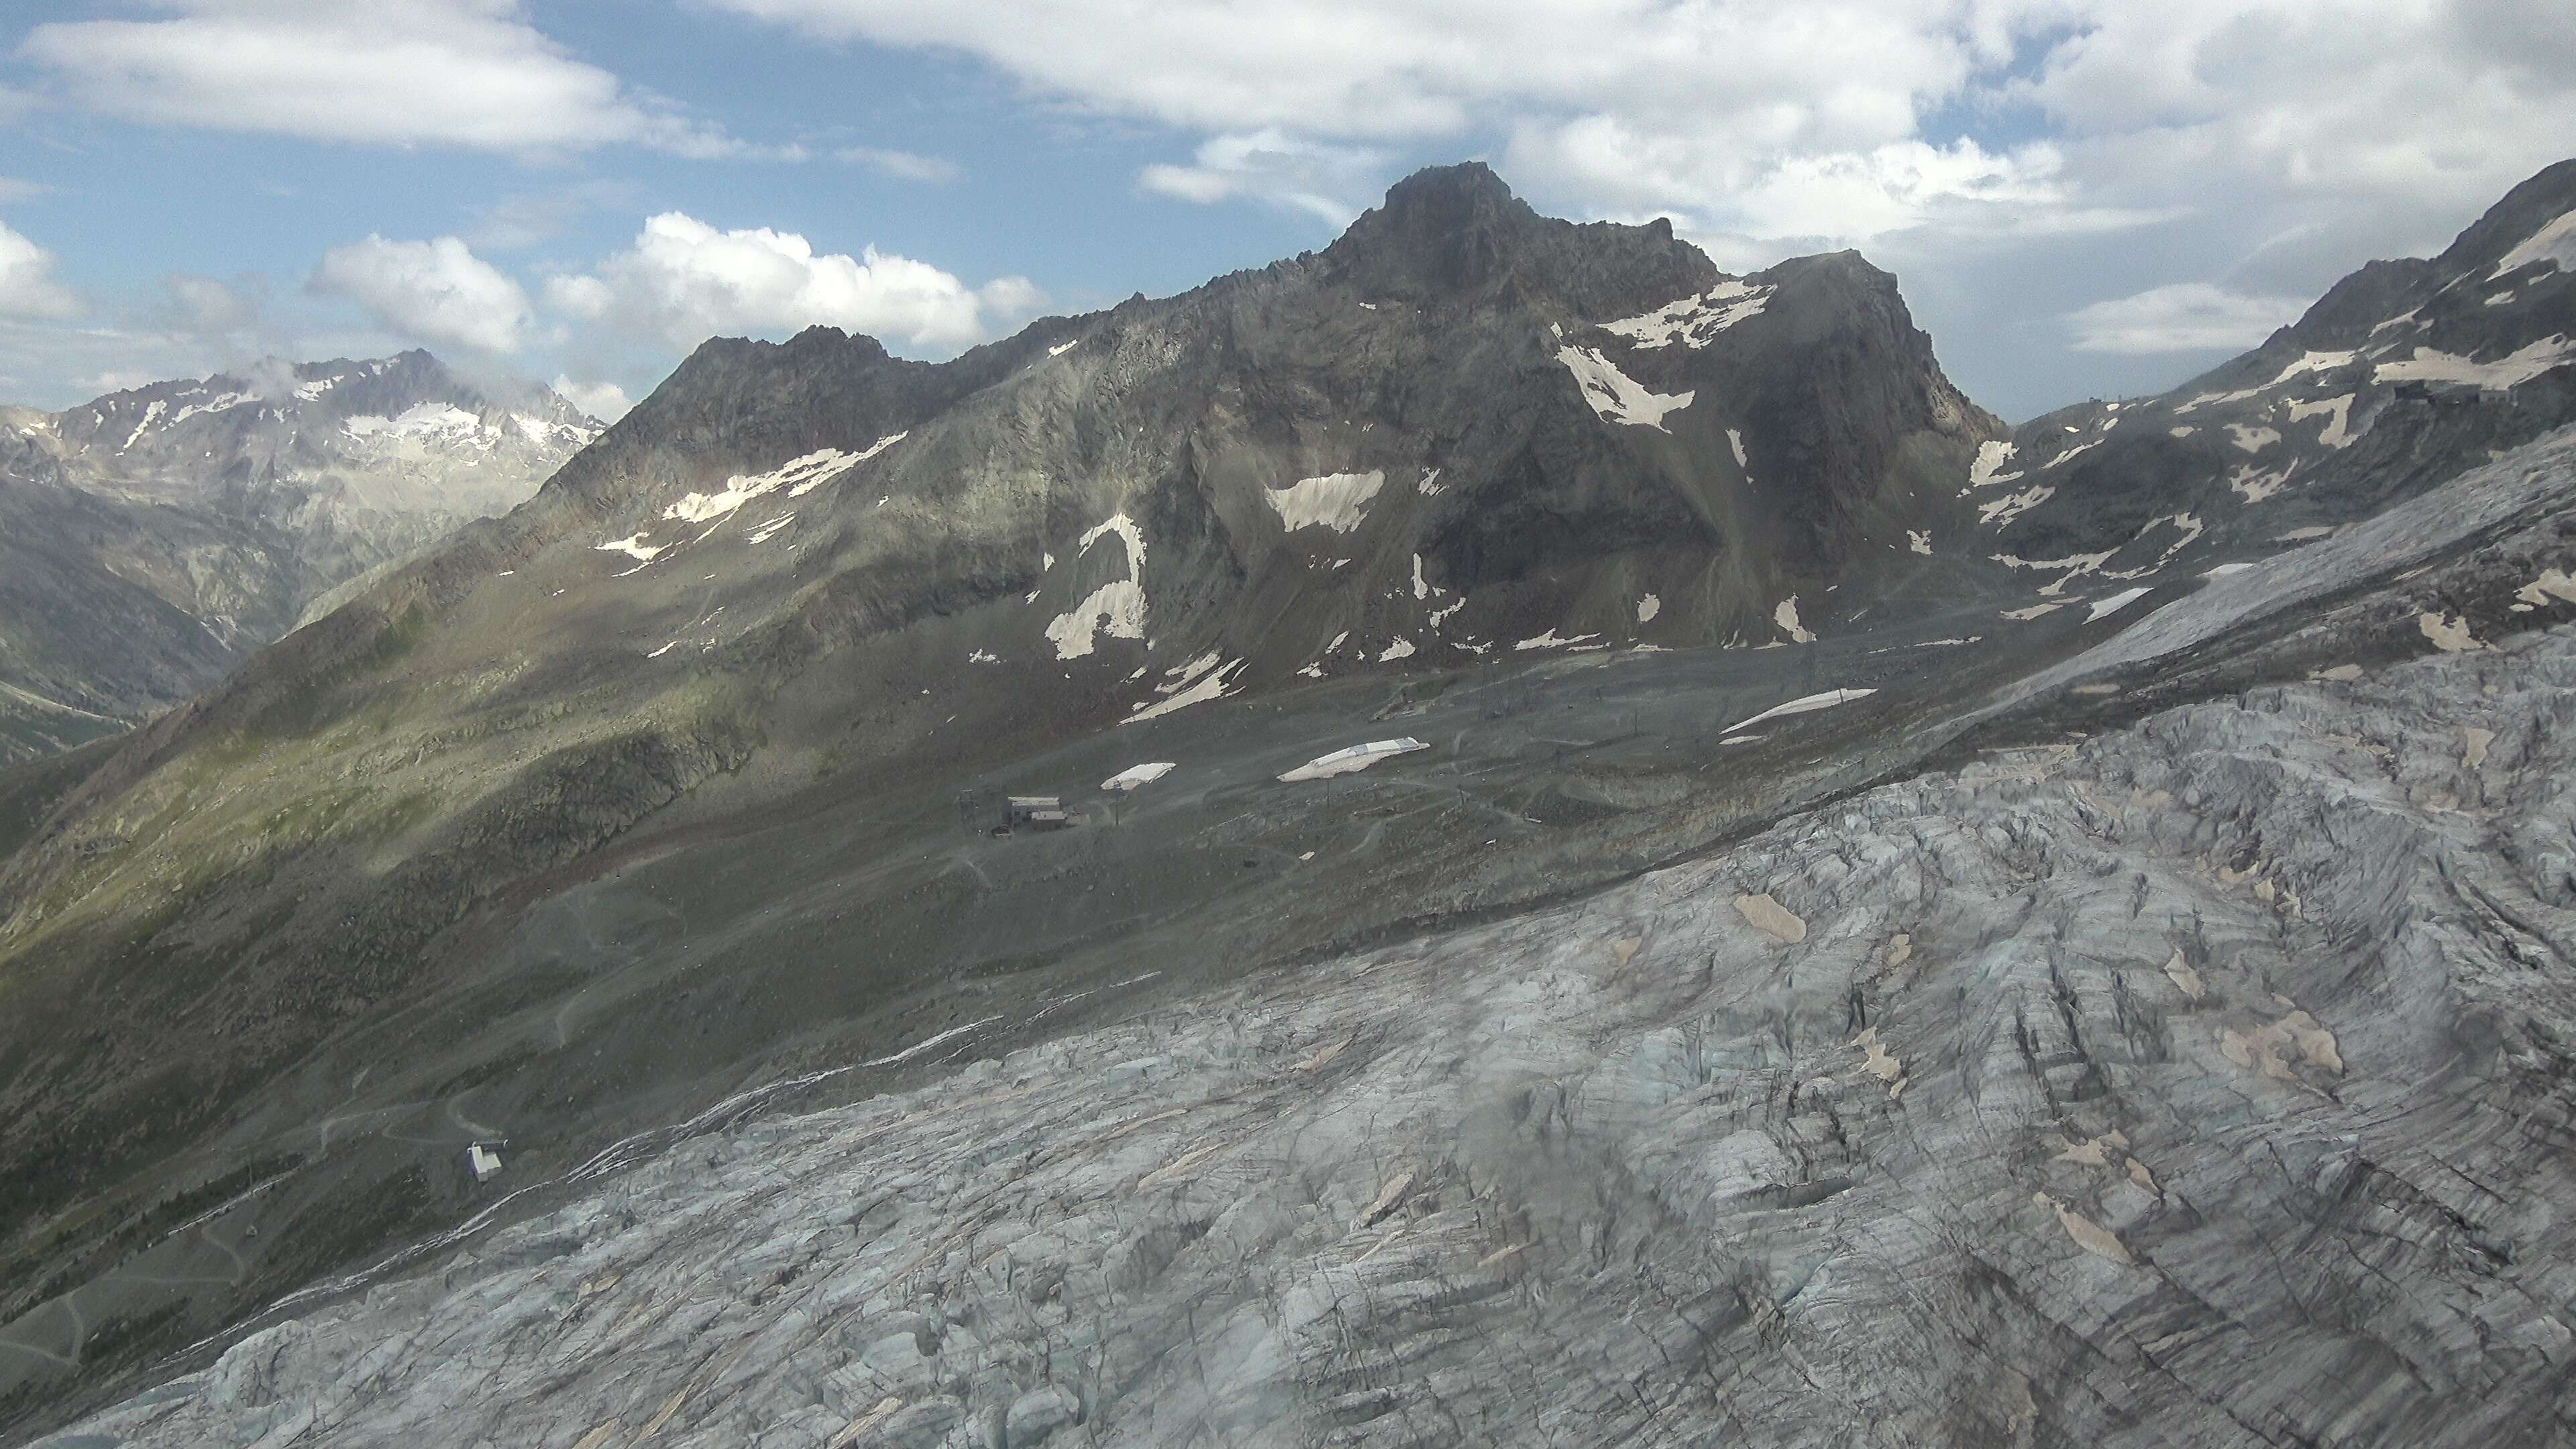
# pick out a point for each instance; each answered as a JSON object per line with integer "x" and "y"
{"x": 1458, "y": 429}
{"x": 160, "y": 535}
{"x": 670, "y": 796}
{"x": 2402, "y": 375}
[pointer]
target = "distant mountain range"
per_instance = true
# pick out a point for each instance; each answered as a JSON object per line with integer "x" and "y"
{"x": 157, "y": 536}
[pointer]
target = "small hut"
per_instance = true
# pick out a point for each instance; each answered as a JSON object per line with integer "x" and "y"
{"x": 1036, "y": 812}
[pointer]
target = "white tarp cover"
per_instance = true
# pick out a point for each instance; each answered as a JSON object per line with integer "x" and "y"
{"x": 1357, "y": 757}
{"x": 1135, "y": 775}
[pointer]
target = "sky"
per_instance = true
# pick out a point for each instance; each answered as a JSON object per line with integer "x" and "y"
{"x": 2080, "y": 198}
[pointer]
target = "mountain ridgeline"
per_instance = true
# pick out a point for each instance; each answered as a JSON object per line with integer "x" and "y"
{"x": 677, "y": 781}
{"x": 1459, "y": 428}
{"x": 2403, "y": 374}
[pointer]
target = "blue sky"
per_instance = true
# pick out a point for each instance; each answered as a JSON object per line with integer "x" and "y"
{"x": 2080, "y": 197}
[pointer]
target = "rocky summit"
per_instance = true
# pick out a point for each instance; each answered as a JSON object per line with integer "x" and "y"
{"x": 1486, "y": 835}
{"x": 162, "y": 534}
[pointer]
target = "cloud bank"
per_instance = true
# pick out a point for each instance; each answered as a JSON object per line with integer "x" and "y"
{"x": 437, "y": 291}
{"x": 27, "y": 285}
{"x": 684, "y": 281}
{"x": 462, "y": 73}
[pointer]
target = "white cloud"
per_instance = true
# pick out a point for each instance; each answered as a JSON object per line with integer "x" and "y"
{"x": 205, "y": 306}
{"x": 2184, "y": 317}
{"x": 1008, "y": 301}
{"x": 901, "y": 165}
{"x": 60, "y": 364}
{"x": 27, "y": 284}
{"x": 527, "y": 218}
{"x": 605, "y": 401}
{"x": 1270, "y": 165}
{"x": 1629, "y": 104}
{"x": 437, "y": 291}
{"x": 1809, "y": 119}
{"x": 684, "y": 281}
{"x": 2018, "y": 158}
{"x": 115, "y": 380}
{"x": 468, "y": 73}
{"x": 2397, "y": 99}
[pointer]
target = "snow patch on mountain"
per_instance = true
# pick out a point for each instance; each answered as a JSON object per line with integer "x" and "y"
{"x": 225, "y": 403}
{"x": 1552, "y": 640}
{"x": 2337, "y": 411}
{"x": 2063, "y": 458}
{"x": 1694, "y": 321}
{"x": 422, "y": 422}
{"x": 1201, "y": 690}
{"x": 149, "y": 414}
{"x": 2070, "y": 568}
{"x": 2254, "y": 485}
{"x": 2554, "y": 243}
{"x": 1991, "y": 457}
{"x": 1338, "y": 501}
{"x": 2311, "y": 362}
{"x": 634, "y": 547}
{"x": 803, "y": 474}
{"x": 2504, "y": 373}
{"x": 1614, "y": 395}
{"x": 1117, "y": 607}
{"x": 2005, "y": 509}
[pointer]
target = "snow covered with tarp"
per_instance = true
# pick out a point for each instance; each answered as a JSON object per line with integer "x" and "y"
{"x": 1354, "y": 758}
{"x": 1135, "y": 775}
{"x": 1803, "y": 705}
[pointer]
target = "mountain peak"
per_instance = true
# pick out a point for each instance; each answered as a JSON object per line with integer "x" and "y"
{"x": 1451, "y": 228}
{"x": 1455, "y": 190}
